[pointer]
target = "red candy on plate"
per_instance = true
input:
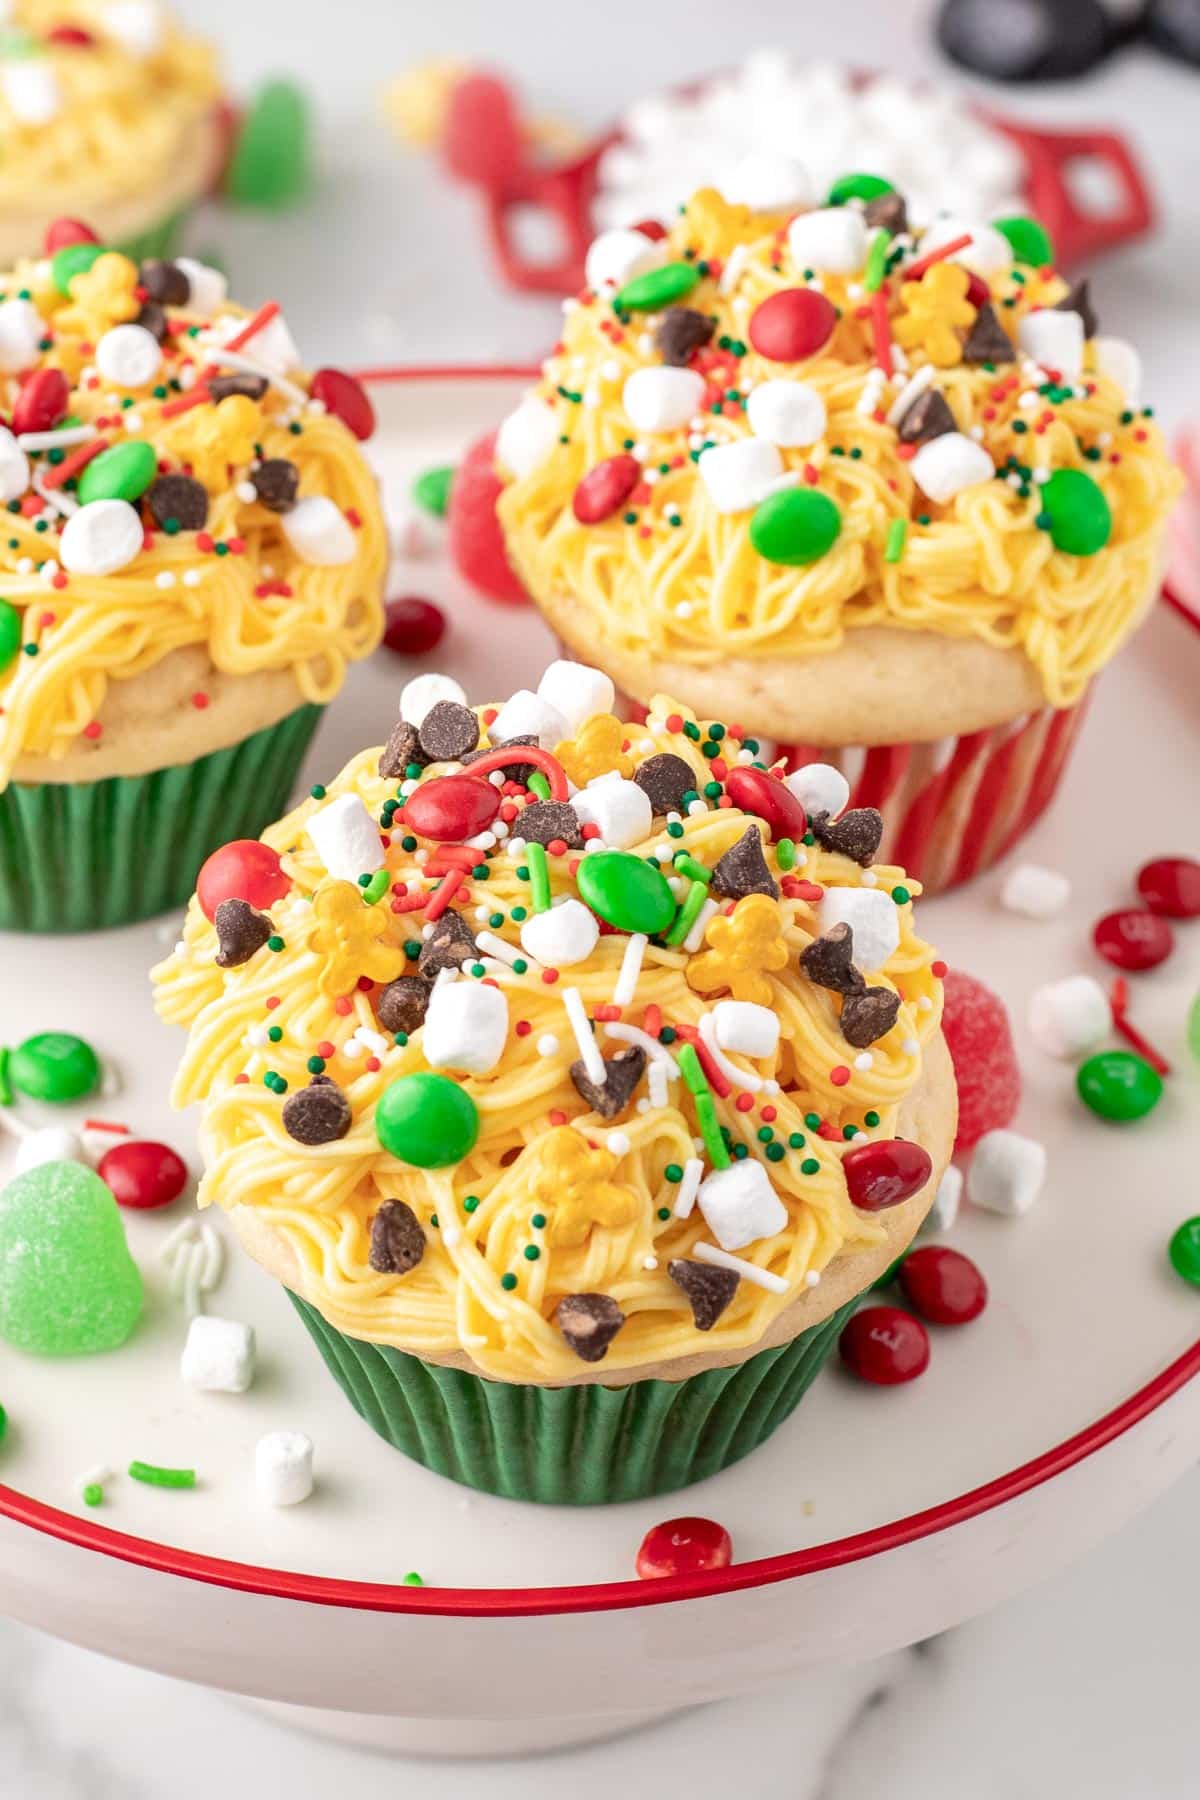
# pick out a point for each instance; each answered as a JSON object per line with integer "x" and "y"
{"x": 1132, "y": 939}
{"x": 143, "y": 1175}
{"x": 451, "y": 808}
{"x": 683, "y": 1547}
{"x": 884, "y": 1345}
{"x": 1171, "y": 885}
{"x": 413, "y": 626}
{"x": 42, "y": 401}
{"x": 473, "y": 530}
{"x": 346, "y": 398}
{"x": 977, "y": 1032}
{"x": 792, "y": 325}
{"x": 60, "y": 233}
{"x": 754, "y": 791}
{"x": 943, "y": 1285}
{"x": 605, "y": 488}
{"x": 244, "y": 870}
{"x": 885, "y": 1172}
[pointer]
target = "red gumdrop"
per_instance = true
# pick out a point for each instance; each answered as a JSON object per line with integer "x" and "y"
{"x": 474, "y": 536}
{"x": 1132, "y": 939}
{"x": 143, "y": 1175}
{"x": 451, "y": 808}
{"x": 605, "y": 488}
{"x": 754, "y": 791}
{"x": 346, "y": 399}
{"x": 1171, "y": 885}
{"x": 42, "y": 401}
{"x": 244, "y": 870}
{"x": 792, "y": 325}
{"x": 885, "y": 1173}
{"x": 413, "y": 626}
{"x": 62, "y": 232}
{"x": 943, "y": 1285}
{"x": 683, "y": 1547}
{"x": 976, "y": 1028}
{"x": 884, "y": 1345}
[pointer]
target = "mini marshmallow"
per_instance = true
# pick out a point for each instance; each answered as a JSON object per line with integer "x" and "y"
{"x": 563, "y": 936}
{"x": 618, "y": 808}
{"x": 660, "y": 399}
{"x": 31, "y": 90}
{"x": 819, "y": 787}
{"x": 466, "y": 1026}
{"x": 1036, "y": 892}
{"x": 872, "y": 916}
{"x": 740, "y": 474}
{"x": 527, "y": 436}
{"x": 218, "y": 1357}
{"x": 615, "y": 257}
{"x": 128, "y": 356}
{"x": 420, "y": 695}
{"x": 207, "y": 287}
{"x": 137, "y": 24}
{"x": 745, "y": 1026}
{"x": 14, "y": 466}
{"x": 832, "y": 239}
{"x": 526, "y": 714}
{"x": 948, "y": 464}
{"x": 740, "y": 1205}
{"x": 1007, "y": 1172}
{"x": 768, "y": 181}
{"x": 1070, "y": 1018}
{"x": 576, "y": 691}
{"x": 100, "y": 538}
{"x": 53, "y": 1143}
{"x": 346, "y": 838}
{"x": 944, "y": 1211}
{"x": 1054, "y": 340}
{"x": 319, "y": 532}
{"x": 786, "y": 412}
{"x": 22, "y": 329}
{"x": 988, "y": 253}
{"x": 272, "y": 344}
{"x": 1117, "y": 359}
{"x": 283, "y": 1467}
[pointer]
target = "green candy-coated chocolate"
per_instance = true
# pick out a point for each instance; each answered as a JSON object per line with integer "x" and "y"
{"x": 427, "y": 1120}
{"x": 1075, "y": 513}
{"x": 657, "y": 288}
{"x": 10, "y": 633}
{"x": 795, "y": 527}
{"x": 122, "y": 473}
{"x": 432, "y": 487}
{"x": 68, "y": 1285}
{"x": 72, "y": 260}
{"x": 271, "y": 164}
{"x": 1193, "y": 1027}
{"x": 1119, "y": 1085}
{"x": 858, "y": 187}
{"x": 1184, "y": 1251}
{"x": 1031, "y": 242}
{"x": 54, "y": 1065}
{"x": 626, "y": 892}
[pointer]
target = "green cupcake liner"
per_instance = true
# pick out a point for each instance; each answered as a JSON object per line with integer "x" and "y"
{"x": 573, "y": 1446}
{"x": 82, "y": 856}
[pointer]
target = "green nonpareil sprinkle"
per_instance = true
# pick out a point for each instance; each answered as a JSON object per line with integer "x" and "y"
{"x": 688, "y": 913}
{"x": 537, "y": 784}
{"x": 877, "y": 261}
{"x": 539, "y": 877}
{"x": 894, "y": 548}
{"x": 153, "y": 1476}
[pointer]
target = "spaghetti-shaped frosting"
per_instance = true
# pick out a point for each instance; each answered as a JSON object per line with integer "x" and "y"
{"x": 673, "y": 572}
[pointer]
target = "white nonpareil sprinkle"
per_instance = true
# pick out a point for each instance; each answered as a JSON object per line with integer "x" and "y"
{"x": 547, "y": 1044}
{"x": 617, "y": 1142}
{"x": 748, "y": 1271}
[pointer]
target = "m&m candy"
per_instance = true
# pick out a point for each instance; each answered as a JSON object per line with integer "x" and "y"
{"x": 1119, "y": 1085}
{"x": 756, "y": 792}
{"x": 1133, "y": 939}
{"x": 452, "y": 808}
{"x": 884, "y": 1345}
{"x": 243, "y": 870}
{"x": 426, "y": 1120}
{"x": 346, "y": 398}
{"x": 683, "y": 1547}
{"x": 943, "y": 1285}
{"x": 792, "y": 325}
{"x": 626, "y": 892}
{"x": 54, "y": 1065}
{"x": 143, "y": 1175}
{"x": 885, "y": 1173}
{"x": 1184, "y": 1251}
{"x": 1170, "y": 885}
{"x": 413, "y": 626}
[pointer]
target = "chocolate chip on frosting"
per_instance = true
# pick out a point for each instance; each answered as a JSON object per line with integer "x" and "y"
{"x": 448, "y": 731}
{"x": 829, "y": 961}
{"x": 402, "y": 749}
{"x": 1079, "y": 300}
{"x": 240, "y": 932}
{"x": 624, "y": 1071}
{"x": 665, "y": 779}
{"x": 518, "y": 772}
{"x": 589, "y": 1323}
{"x": 545, "y": 821}
{"x": 317, "y": 1114}
{"x": 153, "y": 319}
{"x": 180, "y": 500}
{"x": 400, "y": 1006}
{"x": 237, "y": 382}
{"x": 987, "y": 341}
{"x": 450, "y": 944}
{"x": 276, "y": 482}
{"x": 743, "y": 869}
{"x": 868, "y": 1014}
{"x": 397, "y": 1241}
{"x": 709, "y": 1290}
{"x": 928, "y": 417}
{"x": 887, "y": 212}
{"x": 856, "y": 834}
{"x": 165, "y": 282}
{"x": 681, "y": 331}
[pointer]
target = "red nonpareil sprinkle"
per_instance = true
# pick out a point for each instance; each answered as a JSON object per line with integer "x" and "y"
{"x": 490, "y": 715}
{"x": 590, "y": 831}
{"x": 915, "y": 270}
{"x": 523, "y": 1028}
{"x": 32, "y": 505}
{"x": 770, "y": 1114}
{"x": 93, "y": 729}
{"x": 200, "y": 701}
{"x": 364, "y": 984}
{"x": 744, "y": 1102}
{"x": 341, "y": 1005}
{"x": 719, "y": 767}
{"x": 235, "y": 545}
{"x": 325, "y": 1049}
{"x": 46, "y": 620}
{"x": 938, "y": 968}
{"x": 556, "y": 847}
{"x": 58, "y": 579}
{"x": 549, "y": 976}
{"x": 828, "y": 1131}
{"x": 674, "y": 722}
{"x": 373, "y": 1063}
{"x": 811, "y": 474}
{"x": 205, "y": 541}
{"x": 724, "y": 801}
{"x": 271, "y": 1002}
{"x": 839, "y": 1076}
{"x": 354, "y": 517}
{"x": 238, "y": 1080}
{"x": 557, "y": 1118}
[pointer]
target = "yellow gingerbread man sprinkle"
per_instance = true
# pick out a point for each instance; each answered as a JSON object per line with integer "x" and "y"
{"x": 214, "y": 439}
{"x": 102, "y": 296}
{"x": 595, "y": 750}
{"x": 347, "y": 934}
{"x": 743, "y": 946}
{"x": 573, "y": 1183}
{"x": 933, "y": 307}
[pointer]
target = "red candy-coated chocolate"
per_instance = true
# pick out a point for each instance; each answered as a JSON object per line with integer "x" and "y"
{"x": 143, "y": 1175}
{"x": 978, "y": 290}
{"x": 683, "y": 1547}
{"x": 605, "y": 487}
{"x": 42, "y": 401}
{"x": 1133, "y": 939}
{"x": 451, "y": 808}
{"x": 754, "y": 791}
{"x": 886, "y": 1172}
{"x": 884, "y": 1345}
{"x": 1171, "y": 885}
{"x": 792, "y": 325}
{"x": 244, "y": 870}
{"x": 979, "y": 1037}
{"x": 943, "y": 1285}
{"x": 475, "y": 539}
{"x": 62, "y": 232}
{"x": 346, "y": 399}
{"x": 413, "y": 626}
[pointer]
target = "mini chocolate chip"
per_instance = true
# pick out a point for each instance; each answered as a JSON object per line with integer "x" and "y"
{"x": 400, "y": 1006}
{"x": 829, "y": 961}
{"x": 743, "y": 869}
{"x": 276, "y": 483}
{"x": 856, "y": 834}
{"x": 1079, "y": 300}
{"x": 518, "y": 772}
{"x": 317, "y": 1114}
{"x": 180, "y": 498}
{"x": 237, "y": 383}
{"x": 589, "y": 1323}
{"x": 709, "y": 1290}
{"x": 401, "y": 749}
{"x": 543, "y": 821}
{"x": 681, "y": 331}
{"x": 665, "y": 779}
{"x": 397, "y": 1241}
{"x": 987, "y": 341}
{"x": 888, "y": 212}
{"x": 867, "y": 1014}
{"x": 448, "y": 731}
{"x": 240, "y": 932}
{"x": 153, "y": 319}
{"x": 165, "y": 282}
{"x": 624, "y": 1072}
{"x": 928, "y": 417}
{"x": 450, "y": 944}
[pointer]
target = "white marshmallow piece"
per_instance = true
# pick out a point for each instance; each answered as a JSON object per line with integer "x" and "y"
{"x": 819, "y": 787}
{"x": 346, "y": 838}
{"x": 577, "y": 691}
{"x": 14, "y": 466}
{"x": 31, "y": 90}
{"x": 872, "y": 916}
{"x": 746, "y": 1027}
{"x": 791, "y": 413}
{"x": 526, "y": 437}
{"x": 563, "y": 936}
{"x": 949, "y": 464}
{"x": 1117, "y": 358}
{"x": 272, "y": 344}
{"x": 283, "y": 1467}
{"x": 988, "y": 253}
{"x": 218, "y": 1357}
{"x": 207, "y": 287}
{"x": 662, "y": 399}
{"x": 618, "y": 808}
{"x": 100, "y": 538}
{"x": 319, "y": 532}
{"x": 420, "y": 695}
{"x": 466, "y": 1026}
{"x": 137, "y": 24}
{"x": 128, "y": 356}
{"x": 831, "y": 240}
{"x": 615, "y": 257}
{"x": 946, "y": 1201}
{"x": 740, "y": 474}
{"x": 1054, "y": 340}
{"x": 1070, "y": 1018}
{"x": 1038, "y": 893}
{"x": 51, "y": 1144}
{"x": 768, "y": 181}
{"x": 740, "y": 1205}
{"x": 1007, "y": 1172}
{"x": 526, "y": 714}
{"x": 22, "y": 329}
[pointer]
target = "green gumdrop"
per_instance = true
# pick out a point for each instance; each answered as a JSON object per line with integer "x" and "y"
{"x": 10, "y": 633}
{"x": 271, "y": 164}
{"x": 626, "y": 892}
{"x": 68, "y": 1285}
{"x": 657, "y": 288}
{"x": 54, "y": 1065}
{"x": 431, "y": 489}
{"x": 122, "y": 473}
{"x": 1119, "y": 1085}
{"x": 72, "y": 260}
{"x": 795, "y": 527}
{"x": 1184, "y": 1251}
{"x": 1031, "y": 243}
{"x": 1075, "y": 513}
{"x": 858, "y": 187}
{"x": 427, "y": 1120}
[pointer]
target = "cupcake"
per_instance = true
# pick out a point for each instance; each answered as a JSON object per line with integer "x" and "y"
{"x": 570, "y": 1079}
{"x": 886, "y": 498}
{"x": 108, "y": 112}
{"x": 194, "y": 554}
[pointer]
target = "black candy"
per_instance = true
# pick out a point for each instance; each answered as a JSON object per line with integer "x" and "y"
{"x": 1026, "y": 40}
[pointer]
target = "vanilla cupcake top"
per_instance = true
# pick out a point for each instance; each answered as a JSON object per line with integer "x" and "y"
{"x": 762, "y": 431}
{"x": 172, "y": 478}
{"x": 536, "y": 1041}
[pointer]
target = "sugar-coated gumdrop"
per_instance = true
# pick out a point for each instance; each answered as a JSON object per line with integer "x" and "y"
{"x": 476, "y": 541}
{"x": 979, "y": 1037}
{"x": 68, "y": 1285}
{"x": 54, "y": 1065}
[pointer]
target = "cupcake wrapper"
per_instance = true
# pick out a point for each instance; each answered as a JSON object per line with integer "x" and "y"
{"x": 572, "y": 1446}
{"x": 81, "y": 856}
